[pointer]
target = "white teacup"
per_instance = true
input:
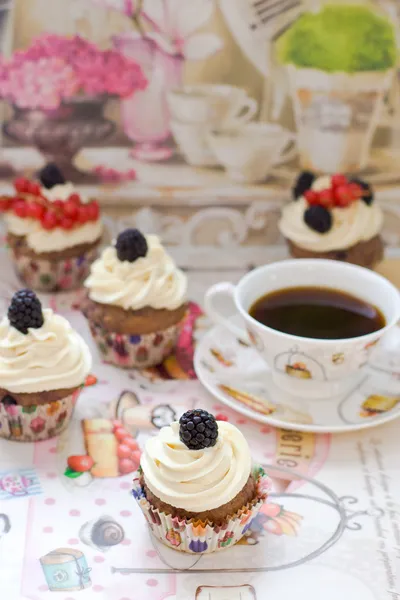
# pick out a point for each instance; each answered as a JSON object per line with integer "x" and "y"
{"x": 191, "y": 139}
{"x": 249, "y": 152}
{"x": 211, "y": 105}
{"x": 304, "y": 366}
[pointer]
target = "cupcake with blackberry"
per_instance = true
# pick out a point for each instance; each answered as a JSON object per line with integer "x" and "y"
{"x": 196, "y": 484}
{"x": 43, "y": 366}
{"x": 136, "y": 301}
{"x": 333, "y": 217}
{"x": 52, "y": 231}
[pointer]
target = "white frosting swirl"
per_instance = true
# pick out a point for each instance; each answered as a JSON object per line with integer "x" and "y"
{"x": 196, "y": 480}
{"x": 41, "y": 240}
{"x": 351, "y": 225}
{"x": 153, "y": 280}
{"x": 52, "y": 357}
{"x": 62, "y": 192}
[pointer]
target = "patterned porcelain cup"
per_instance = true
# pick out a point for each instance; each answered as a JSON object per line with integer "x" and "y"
{"x": 306, "y": 367}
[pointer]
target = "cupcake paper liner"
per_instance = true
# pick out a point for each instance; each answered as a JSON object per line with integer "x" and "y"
{"x": 198, "y": 537}
{"x": 36, "y": 422}
{"x": 54, "y": 275}
{"x": 135, "y": 351}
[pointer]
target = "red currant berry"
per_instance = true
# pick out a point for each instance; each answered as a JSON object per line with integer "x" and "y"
{"x": 312, "y": 197}
{"x": 338, "y": 180}
{"x": 66, "y": 223}
{"x": 49, "y": 220}
{"x": 83, "y": 215}
{"x": 35, "y": 210}
{"x": 34, "y": 188}
{"x": 20, "y": 208}
{"x": 75, "y": 198}
{"x": 5, "y": 204}
{"x": 221, "y": 417}
{"x": 71, "y": 208}
{"x": 58, "y": 204}
{"x": 21, "y": 184}
{"x": 326, "y": 198}
{"x": 93, "y": 211}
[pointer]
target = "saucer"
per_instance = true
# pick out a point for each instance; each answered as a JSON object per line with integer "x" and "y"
{"x": 233, "y": 372}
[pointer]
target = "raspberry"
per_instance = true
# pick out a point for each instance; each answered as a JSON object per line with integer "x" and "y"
{"x": 318, "y": 218}
{"x": 198, "y": 429}
{"x": 35, "y": 210}
{"x": 367, "y": 192}
{"x": 303, "y": 183}
{"x": 131, "y": 245}
{"x": 20, "y": 208}
{"x": 71, "y": 208}
{"x": 49, "y": 220}
{"x": 326, "y": 198}
{"x": 312, "y": 197}
{"x": 343, "y": 196}
{"x": 67, "y": 223}
{"x": 50, "y": 176}
{"x": 93, "y": 211}
{"x": 338, "y": 180}
{"x": 25, "y": 311}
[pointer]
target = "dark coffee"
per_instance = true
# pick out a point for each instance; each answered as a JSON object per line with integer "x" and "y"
{"x": 315, "y": 312}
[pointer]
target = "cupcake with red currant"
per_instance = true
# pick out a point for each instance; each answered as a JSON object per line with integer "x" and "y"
{"x": 197, "y": 486}
{"x": 43, "y": 367}
{"x": 136, "y": 301}
{"x": 333, "y": 217}
{"x": 52, "y": 231}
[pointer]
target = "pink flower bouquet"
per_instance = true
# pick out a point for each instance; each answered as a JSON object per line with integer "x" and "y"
{"x": 55, "y": 69}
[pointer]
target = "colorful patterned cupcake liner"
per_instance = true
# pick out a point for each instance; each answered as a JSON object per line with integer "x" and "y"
{"x": 198, "y": 537}
{"x": 36, "y": 422}
{"x": 135, "y": 351}
{"x": 54, "y": 275}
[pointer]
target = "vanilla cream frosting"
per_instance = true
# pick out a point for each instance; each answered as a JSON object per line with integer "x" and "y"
{"x": 153, "y": 280}
{"x": 62, "y": 191}
{"x": 356, "y": 223}
{"x": 55, "y": 240}
{"x": 196, "y": 480}
{"x": 52, "y": 357}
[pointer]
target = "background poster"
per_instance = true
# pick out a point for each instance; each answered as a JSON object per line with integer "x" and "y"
{"x": 197, "y": 116}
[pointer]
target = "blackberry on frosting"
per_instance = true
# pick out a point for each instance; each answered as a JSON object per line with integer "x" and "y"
{"x": 131, "y": 245}
{"x": 198, "y": 429}
{"x": 368, "y": 194}
{"x": 51, "y": 176}
{"x": 25, "y": 311}
{"x": 303, "y": 183}
{"x": 318, "y": 218}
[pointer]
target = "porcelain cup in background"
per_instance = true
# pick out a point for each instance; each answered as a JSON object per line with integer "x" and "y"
{"x": 191, "y": 138}
{"x": 249, "y": 152}
{"x": 211, "y": 105}
{"x": 306, "y": 367}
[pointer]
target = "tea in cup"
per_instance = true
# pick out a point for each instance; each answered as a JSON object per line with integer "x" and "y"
{"x": 314, "y": 336}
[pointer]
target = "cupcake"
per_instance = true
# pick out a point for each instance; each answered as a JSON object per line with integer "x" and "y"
{"x": 196, "y": 485}
{"x": 136, "y": 301}
{"x": 53, "y": 232}
{"x": 333, "y": 217}
{"x": 43, "y": 366}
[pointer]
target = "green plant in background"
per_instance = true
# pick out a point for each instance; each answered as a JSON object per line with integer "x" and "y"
{"x": 347, "y": 38}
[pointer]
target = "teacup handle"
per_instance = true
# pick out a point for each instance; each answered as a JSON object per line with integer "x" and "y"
{"x": 238, "y": 117}
{"x": 221, "y": 291}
